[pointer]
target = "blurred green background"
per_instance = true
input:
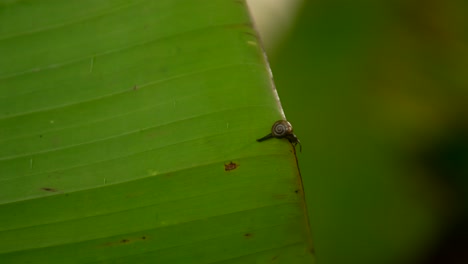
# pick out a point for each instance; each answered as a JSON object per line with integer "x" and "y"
{"x": 377, "y": 93}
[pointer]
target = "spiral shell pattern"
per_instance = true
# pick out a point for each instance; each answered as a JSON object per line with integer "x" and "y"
{"x": 281, "y": 128}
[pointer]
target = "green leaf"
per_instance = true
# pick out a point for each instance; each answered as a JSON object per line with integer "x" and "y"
{"x": 128, "y": 134}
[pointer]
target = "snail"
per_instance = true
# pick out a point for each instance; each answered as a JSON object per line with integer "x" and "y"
{"x": 282, "y": 129}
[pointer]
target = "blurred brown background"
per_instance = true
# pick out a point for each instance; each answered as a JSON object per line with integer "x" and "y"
{"x": 377, "y": 92}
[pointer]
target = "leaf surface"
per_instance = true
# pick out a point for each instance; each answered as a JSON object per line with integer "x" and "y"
{"x": 128, "y": 134}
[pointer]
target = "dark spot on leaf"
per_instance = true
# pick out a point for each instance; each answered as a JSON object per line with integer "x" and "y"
{"x": 47, "y": 189}
{"x": 135, "y": 88}
{"x": 296, "y": 191}
{"x": 247, "y": 235}
{"x": 124, "y": 241}
{"x": 40, "y": 136}
{"x": 231, "y": 166}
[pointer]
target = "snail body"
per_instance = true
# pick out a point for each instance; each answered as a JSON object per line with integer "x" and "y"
{"x": 282, "y": 129}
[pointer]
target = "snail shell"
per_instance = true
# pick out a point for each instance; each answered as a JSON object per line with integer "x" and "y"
{"x": 281, "y": 129}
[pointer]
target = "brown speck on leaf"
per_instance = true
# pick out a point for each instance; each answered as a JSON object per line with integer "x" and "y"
{"x": 296, "y": 191}
{"x": 123, "y": 241}
{"x": 47, "y": 189}
{"x": 247, "y": 235}
{"x": 135, "y": 88}
{"x": 231, "y": 166}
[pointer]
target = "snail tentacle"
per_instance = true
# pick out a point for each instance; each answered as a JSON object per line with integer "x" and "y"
{"x": 295, "y": 141}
